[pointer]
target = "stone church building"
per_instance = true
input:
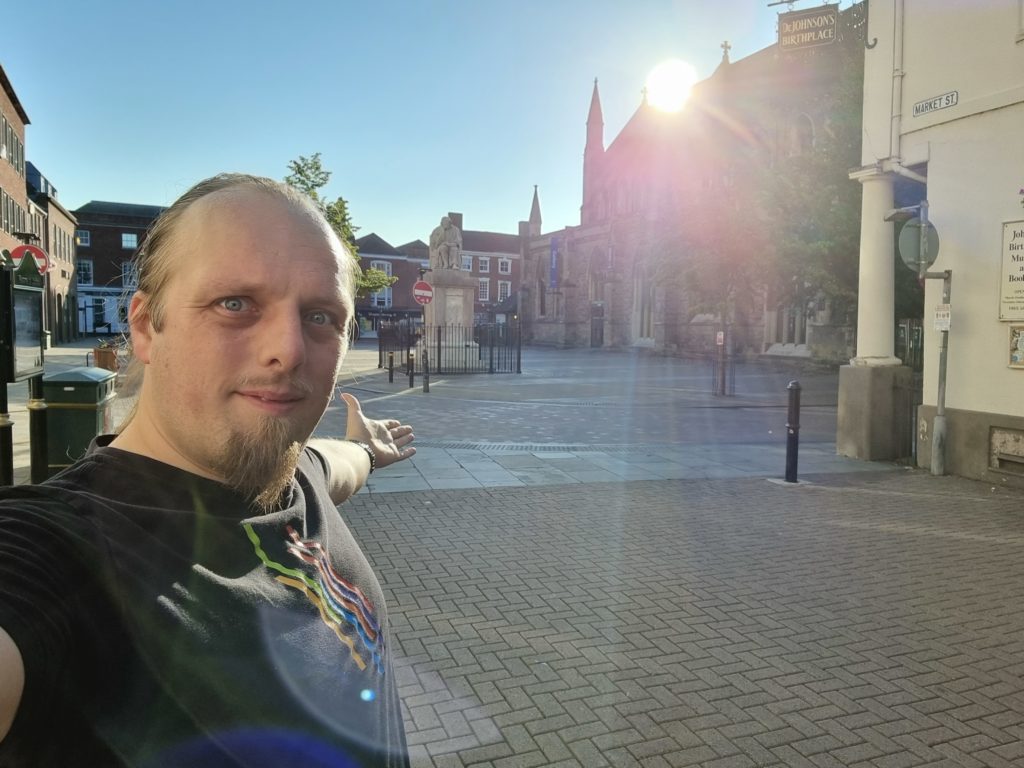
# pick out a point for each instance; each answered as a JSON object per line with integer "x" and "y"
{"x": 622, "y": 276}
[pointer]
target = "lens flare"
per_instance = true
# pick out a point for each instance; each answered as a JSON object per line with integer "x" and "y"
{"x": 669, "y": 84}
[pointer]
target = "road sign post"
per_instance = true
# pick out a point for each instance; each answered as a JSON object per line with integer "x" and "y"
{"x": 422, "y": 292}
{"x": 919, "y": 247}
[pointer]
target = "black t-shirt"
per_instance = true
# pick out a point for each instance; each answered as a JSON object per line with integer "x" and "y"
{"x": 162, "y": 622}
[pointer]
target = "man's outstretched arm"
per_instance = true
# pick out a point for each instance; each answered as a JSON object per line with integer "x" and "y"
{"x": 388, "y": 440}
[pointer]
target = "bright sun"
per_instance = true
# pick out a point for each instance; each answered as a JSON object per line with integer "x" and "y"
{"x": 669, "y": 84}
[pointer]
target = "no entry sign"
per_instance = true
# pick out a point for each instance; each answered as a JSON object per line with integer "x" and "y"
{"x": 422, "y": 292}
{"x": 37, "y": 254}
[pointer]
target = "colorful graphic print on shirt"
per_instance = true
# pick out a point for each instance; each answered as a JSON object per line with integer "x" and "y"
{"x": 343, "y": 607}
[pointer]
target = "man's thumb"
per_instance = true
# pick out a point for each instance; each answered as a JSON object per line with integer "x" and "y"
{"x": 352, "y": 403}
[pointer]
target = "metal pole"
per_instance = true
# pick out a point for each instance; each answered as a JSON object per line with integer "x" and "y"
{"x": 6, "y": 440}
{"x": 37, "y": 429}
{"x": 793, "y": 431}
{"x": 412, "y": 368}
{"x": 490, "y": 348}
{"x": 426, "y": 369}
{"x": 438, "y": 362}
{"x": 519, "y": 345}
{"x": 720, "y": 390}
{"x": 922, "y": 251}
{"x": 391, "y": 367}
{"x": 939, "y": 425}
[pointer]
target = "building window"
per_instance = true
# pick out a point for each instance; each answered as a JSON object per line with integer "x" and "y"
{"x": 484, "y": 293}
{"x": 484, "y": 264}
{"x": 85, "y": 271}
{"x": 83, "y": 237}
{"x": 129, "y": 275}
{"x": 504, "y": 289}
{"x": 129, "y": 240}
{"x": 381, "y": 298}
{"x": 504, "y": 266}
{"x": 467, "y": 263}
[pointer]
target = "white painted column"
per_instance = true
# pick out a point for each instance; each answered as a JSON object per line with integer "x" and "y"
{"x": 876, "y": 288}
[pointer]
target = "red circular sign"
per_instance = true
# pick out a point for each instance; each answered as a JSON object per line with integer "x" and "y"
{"x": 37, "y": 254}
{"x": 422, "y": 292}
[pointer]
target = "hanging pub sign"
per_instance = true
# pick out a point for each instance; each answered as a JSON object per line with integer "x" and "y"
{"x": 22, "y": 277}
{"x": 807, "y": 29}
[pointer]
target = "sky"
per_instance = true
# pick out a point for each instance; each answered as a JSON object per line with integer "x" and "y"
{"x": 417, "y": 108}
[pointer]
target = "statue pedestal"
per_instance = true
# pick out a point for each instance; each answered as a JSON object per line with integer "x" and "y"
{"x": 454, "y": 298}
{"x": 449, "y": 317}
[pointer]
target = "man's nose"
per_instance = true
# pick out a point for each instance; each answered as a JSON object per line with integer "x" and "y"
{"x": 283, "y": 342}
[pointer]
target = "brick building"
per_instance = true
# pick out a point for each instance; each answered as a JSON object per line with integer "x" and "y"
{"x": 494, "y": 259}
{"x": 107, "y": 237}
{"x": 395, "y": 303}
{"x": 30, "y": 213}
{"x": 55, "y": 226}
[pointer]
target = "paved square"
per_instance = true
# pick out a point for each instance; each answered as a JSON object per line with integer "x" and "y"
{"x": 868, "y": 619}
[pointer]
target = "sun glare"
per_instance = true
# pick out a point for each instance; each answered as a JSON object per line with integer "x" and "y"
{"x": 669, "y": 84}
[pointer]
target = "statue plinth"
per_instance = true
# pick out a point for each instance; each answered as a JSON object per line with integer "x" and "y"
{"x": 454, "y": 298}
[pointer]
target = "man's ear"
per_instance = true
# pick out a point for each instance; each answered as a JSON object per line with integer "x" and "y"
{"x": 141, "y": 324}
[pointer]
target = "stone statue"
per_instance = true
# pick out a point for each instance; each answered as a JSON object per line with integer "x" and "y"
{"x": 446, "y": 246}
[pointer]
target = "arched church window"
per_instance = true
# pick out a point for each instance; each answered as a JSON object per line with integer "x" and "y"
{"x": 803, "y": 135}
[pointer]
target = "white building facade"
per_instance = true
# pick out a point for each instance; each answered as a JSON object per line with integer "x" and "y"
{"x": 944, "y": 106}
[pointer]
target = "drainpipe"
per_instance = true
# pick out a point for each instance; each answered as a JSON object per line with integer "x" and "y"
{"x": 897, "y": 83}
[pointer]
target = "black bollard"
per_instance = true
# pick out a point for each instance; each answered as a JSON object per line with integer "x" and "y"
{"x": 391, "y": 367}
{"x": 6, "y": 440}
{"x": 412, "y": 368}
{"x": 426, "y": 370}
{"x": 36, "y": 407}
{"x": 793, "y": 431}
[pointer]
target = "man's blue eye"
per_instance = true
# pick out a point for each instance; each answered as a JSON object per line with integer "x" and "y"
{"x": 319, "y": 318}
{"x": 233, "y": 304}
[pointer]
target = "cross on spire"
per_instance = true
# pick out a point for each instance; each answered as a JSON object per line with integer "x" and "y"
{"x": 643, "y": 92}
{"x": 725, "y": 50}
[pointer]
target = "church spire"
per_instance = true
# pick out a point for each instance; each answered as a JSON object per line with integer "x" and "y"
{"x": 535, "y": 213}
{"x": 595, "y": 119}
{"x": 593, "y": 155}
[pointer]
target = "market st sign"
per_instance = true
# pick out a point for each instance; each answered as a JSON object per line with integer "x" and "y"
{"x": 807, "y": 29}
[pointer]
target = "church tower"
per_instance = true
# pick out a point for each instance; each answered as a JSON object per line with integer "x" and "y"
{"x": 593, "y": 155}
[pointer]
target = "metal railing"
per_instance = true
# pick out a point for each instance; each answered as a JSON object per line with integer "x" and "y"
{"x": 453, "y": 349}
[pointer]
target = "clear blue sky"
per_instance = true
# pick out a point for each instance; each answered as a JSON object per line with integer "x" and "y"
{"x": 418, "y": 108}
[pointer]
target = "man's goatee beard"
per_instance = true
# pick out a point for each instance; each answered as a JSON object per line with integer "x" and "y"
{"x": 260, "y": 463}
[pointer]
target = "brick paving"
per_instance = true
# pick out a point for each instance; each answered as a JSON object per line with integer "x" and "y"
{"x": 862, "y": 620}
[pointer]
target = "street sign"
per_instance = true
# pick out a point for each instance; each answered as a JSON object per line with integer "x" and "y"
{"x": 910, "y": 245}
{"x": 422, "y": 292}
{"x": 37, "y": 254}
{"x": 942, "y": 316}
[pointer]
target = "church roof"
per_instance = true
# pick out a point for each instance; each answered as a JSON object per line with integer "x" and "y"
{"x": 650, "y": 145}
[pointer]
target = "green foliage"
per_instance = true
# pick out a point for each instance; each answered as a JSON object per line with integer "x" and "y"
{"x": 811, "y": 206}
{"x": 308, "y": 175}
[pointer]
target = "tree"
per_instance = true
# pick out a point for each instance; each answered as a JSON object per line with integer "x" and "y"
{"x": 812, "y": 207}
{"x": 308, "y": 175}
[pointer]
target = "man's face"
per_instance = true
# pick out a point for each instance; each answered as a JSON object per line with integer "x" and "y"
{"x": 252, "y": 338}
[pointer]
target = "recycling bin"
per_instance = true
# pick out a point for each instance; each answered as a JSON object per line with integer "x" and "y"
{"x": 79, "y": 406}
